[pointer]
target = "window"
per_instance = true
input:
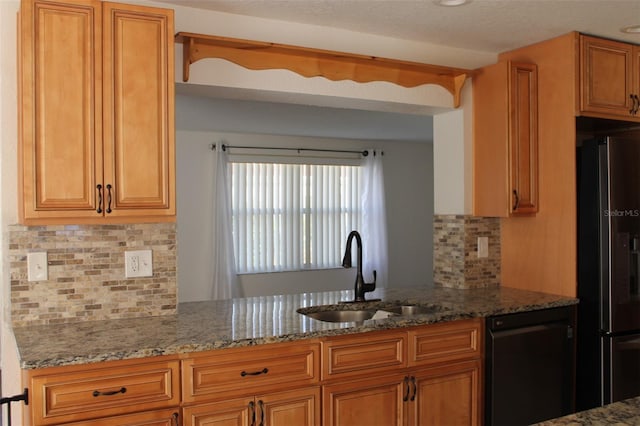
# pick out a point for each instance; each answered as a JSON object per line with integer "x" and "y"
{"x": 288, "y": 217}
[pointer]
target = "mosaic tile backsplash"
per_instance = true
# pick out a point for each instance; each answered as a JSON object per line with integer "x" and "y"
{"x": 86, "y": 278}
{"x": 455, "y": 251}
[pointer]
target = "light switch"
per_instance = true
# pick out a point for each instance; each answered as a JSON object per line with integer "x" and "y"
{"x": 138, "y": 263}
{"x": 37, "y": 267}
{"x": 483, "y": 246}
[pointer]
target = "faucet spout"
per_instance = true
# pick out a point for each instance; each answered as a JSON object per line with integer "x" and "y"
{"x": 361, "y": 287}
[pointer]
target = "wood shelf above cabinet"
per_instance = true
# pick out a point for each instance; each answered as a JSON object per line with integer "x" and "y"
{"x": 308, "y": 62}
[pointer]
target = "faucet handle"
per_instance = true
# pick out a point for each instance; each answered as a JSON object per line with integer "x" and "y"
{"x": 371, "y": 286}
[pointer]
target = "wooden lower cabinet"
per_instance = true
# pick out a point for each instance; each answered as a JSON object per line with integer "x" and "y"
{"x": 448, "y": 395}
{"x": 296, "y": 407}
{"x": 369, "y": 402}
{"x": 151, "y": 418}
{"x": 431, "y": 375}
{"x": 426, "y": 375}
{"x": 96, "y": 394}
{"x": 445, "y": 395}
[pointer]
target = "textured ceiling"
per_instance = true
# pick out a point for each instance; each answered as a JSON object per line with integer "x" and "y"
{"x": 483, "y": 25}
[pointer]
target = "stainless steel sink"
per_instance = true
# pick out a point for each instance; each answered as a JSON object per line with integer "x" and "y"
{"x": 348, "y": 313}
{"x": 341, "y": 315}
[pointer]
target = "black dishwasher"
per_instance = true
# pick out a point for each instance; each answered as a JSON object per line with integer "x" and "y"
{"x": 530, "y": 366}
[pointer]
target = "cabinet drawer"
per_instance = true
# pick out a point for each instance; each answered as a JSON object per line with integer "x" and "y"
{"x": 450, "y": 341}
{"x": 352, "y": 355}
{"x": 245, "y": 371}
{"x": 87, "y": 392}
{"x": 149, "y": 418}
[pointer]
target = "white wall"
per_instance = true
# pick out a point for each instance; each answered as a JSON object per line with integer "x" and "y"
{"x": 453, "y": 149}
{"x": 409, "y": 188}
{"x": 11, "y": 384}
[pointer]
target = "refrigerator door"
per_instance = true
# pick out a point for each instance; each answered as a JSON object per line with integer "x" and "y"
{"x": 622, "y": 380}
{"x": 620, "y": 233}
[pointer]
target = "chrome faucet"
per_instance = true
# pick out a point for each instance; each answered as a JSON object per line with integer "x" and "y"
{"x": 361, "y": 287}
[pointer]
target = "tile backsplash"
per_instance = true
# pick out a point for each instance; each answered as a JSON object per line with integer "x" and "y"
{"x": 455, "y": 255}
{"x": 86, "y": 278}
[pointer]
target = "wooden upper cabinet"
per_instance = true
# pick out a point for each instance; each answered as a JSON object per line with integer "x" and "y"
{"x": 138, "y": 93}
{"x": 609, "y": 78}
{"x": 505, "y": 129}
{"x": 96, "y": 113}
{"x": 61, "y": 108}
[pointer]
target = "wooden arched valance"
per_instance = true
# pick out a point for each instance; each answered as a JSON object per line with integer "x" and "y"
{"x": 257, "y": 55}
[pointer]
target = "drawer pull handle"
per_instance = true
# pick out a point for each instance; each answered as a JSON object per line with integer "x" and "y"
{"x": 109, "y": 393}
{"x": 255, "y": 373}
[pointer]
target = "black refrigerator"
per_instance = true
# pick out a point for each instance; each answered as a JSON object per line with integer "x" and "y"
{"x": 608, "y": 343}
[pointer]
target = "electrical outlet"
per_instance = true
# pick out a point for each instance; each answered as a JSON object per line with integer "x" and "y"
{"x": 138, "y": 263}
{"x": 37, "y": 267}
{"x": 483, "y": 247}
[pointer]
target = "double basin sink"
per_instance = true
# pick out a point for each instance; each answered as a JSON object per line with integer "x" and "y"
{"x": 363, "y": 311}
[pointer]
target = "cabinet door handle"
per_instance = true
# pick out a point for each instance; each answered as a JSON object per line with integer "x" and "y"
{"x": 261, "y": 408}
{"x": 175, "y": 418}
{"x": 415, "y": 388}
{"x": 109, "y": 198}
{"x": 636, "y": 104}
{"x": 97, "y": 393}
{"x": 254, "y": 373}
{"x": 405, "y": 398}
{"x": 633, "y": 109}
{"x": 516, "y": 200}
{"x": 99, "y": 189}
{"x": 252, "y": 413}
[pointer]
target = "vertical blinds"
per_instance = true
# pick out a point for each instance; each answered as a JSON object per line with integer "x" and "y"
{"x": 292, "y": 216}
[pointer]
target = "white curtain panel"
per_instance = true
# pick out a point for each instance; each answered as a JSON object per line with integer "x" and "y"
{"x": 374, "y": 220}
{"x": 224, "y": 277}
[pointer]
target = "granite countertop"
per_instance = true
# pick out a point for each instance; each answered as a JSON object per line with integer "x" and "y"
{"x": 620, "y": 413}
{"x": 200, "y": 326}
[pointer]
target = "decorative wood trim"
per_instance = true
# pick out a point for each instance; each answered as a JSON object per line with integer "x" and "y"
{"x": 308, "y": 62}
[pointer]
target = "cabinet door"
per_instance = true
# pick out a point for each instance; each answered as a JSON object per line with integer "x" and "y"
{"x": 139, "y": 141}
{"x": 60, "y": 109}
{"x": 377, "y": 401}
{"x": 523, "y": 138}
{"x": 150, "y": 418}
{"x": 235, "y": 412}
{"x": 446, "y": 395}
{"x": 505, "y": 128}
{"x": 299, "y": 407}
{"x": 606, "y": 77}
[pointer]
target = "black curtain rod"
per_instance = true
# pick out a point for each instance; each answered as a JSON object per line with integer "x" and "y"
{"x": 224, "y": 148}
